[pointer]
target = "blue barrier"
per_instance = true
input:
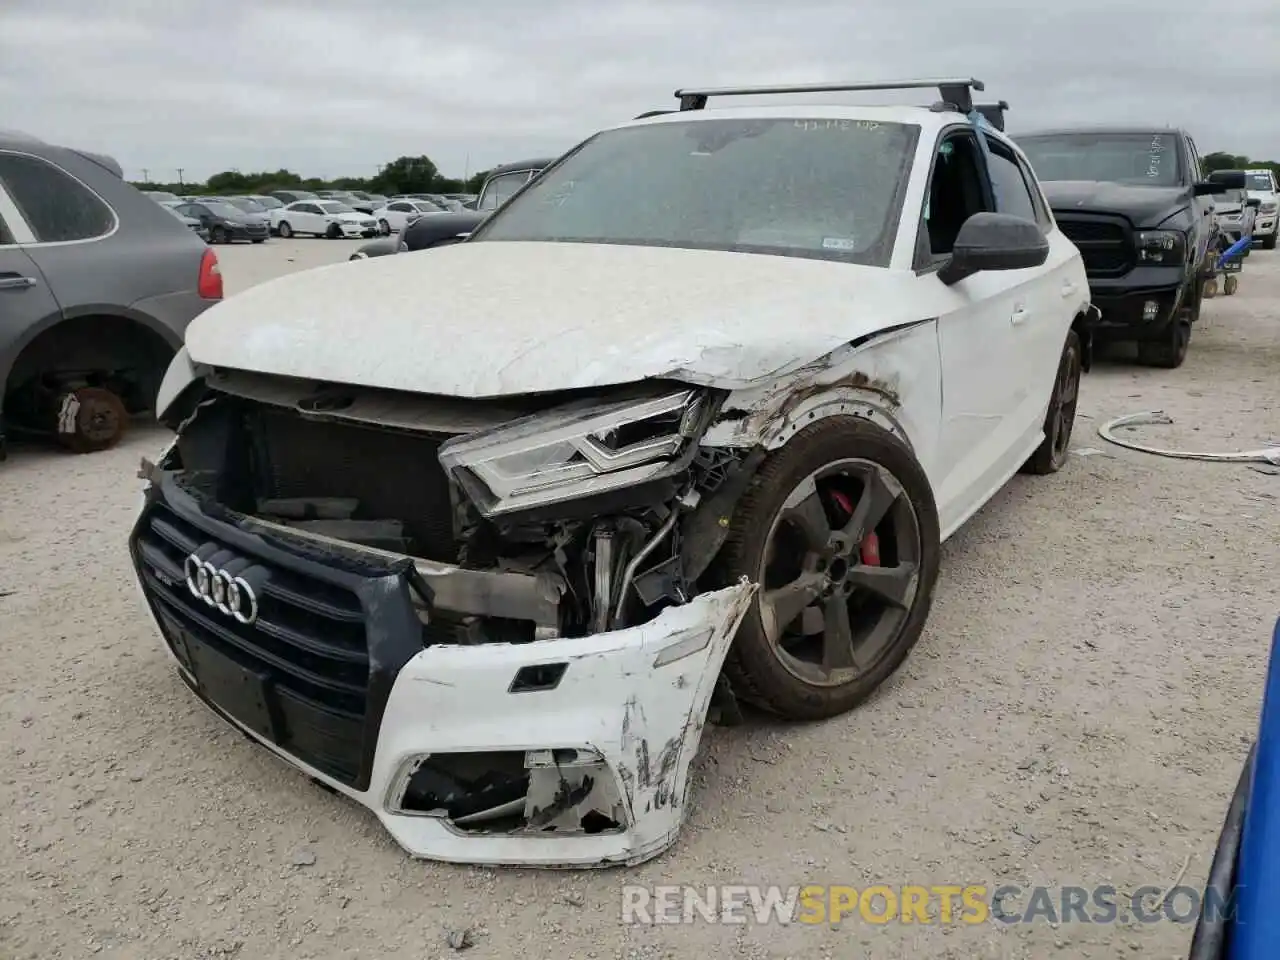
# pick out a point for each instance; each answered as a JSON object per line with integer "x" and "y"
{"x": 1255, "y": 934}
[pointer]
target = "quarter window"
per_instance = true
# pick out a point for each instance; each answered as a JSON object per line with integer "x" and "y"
{"x": 57, "y": 206}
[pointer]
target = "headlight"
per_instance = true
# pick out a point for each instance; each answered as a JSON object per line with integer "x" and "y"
{"x": 1269, "y": 206}
{"x": 574, "y": 451}
{"x": 1160, "y": 247}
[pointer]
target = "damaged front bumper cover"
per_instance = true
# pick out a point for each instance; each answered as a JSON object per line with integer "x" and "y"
{"x": 569, "y": 752}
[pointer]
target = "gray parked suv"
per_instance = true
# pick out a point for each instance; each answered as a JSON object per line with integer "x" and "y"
{"x": 97, "y": 286}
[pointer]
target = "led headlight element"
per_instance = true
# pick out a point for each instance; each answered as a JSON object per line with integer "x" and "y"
{"x": 1160, "y": 246}
{"x": 573, "y": 451}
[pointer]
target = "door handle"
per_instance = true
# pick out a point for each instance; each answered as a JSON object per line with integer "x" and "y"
{"x": 1019, "y": 315}
{"x": 16, "y": 283}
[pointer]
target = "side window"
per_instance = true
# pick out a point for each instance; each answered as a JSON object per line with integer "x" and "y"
{"x": 1197, "y": 171}
{"x": 401, "y": 207}
{"x": 6, "y": 237}
{"x": 56, "y": 205}
{"x": 199, "y": 210}
{"x": 498, "y": 190}
{"x": 1011, "y": 189}
{"x": 956, "y": 192}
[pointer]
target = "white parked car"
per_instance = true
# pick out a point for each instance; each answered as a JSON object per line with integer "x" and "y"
{"x": 1262, "y": 187}
{"x": 322, "y": 218}
{"x": 398, "y": 214}
{"x": 520, "y": 507}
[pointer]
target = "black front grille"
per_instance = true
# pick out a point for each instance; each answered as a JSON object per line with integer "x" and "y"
{"x": 299, "y": 675}
{"x": 1105, "y": 244}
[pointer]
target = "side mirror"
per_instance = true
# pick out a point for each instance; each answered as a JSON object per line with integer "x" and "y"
{"x": 994, "y": 241}
{"x": 1254, "y": 202}
{"x": 1221, "y": 181}
{"x": 1207, "y": 188}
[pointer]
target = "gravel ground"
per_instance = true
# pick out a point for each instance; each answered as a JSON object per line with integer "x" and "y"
{"x": 1076, "y": 714}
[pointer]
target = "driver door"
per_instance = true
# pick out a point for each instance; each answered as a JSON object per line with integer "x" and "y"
{"x": 978, "y": 336}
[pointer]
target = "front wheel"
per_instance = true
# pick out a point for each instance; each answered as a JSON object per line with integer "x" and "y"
{"x": 840, "y": 530}
{"x": 217, "y": 235}
{"x": 284, "y": 229}
{"x": 1170, "y": 350}
{"x": 1269, "y": 243}
{"x": 259, "y": 239}
{"x": 1051, "y": 455}
{"x": 334, "y": 232}
{"x": 384, "y": 228}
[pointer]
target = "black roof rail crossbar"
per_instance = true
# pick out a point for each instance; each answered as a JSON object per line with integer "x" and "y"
{"x": 994, "y": 113}
{"x": 956, "y": 92}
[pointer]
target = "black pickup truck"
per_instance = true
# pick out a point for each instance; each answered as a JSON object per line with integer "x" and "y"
{"x": 1135, "y": 202}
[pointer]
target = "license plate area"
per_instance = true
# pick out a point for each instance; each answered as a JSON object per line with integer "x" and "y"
{"x": 243, "y": 693}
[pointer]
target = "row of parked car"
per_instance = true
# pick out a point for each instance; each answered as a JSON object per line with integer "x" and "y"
{"x": 328, "y": 213}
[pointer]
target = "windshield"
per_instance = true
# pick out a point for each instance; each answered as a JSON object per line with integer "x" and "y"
{"x": 248, "y": 206}
{"x": 334, "y": 206}
{"x": 820, "y": 188}
{"x": 161, "y": 195}
{"x": 1133, "y": 158}
{"x": 222, "y": 209}
{"x": 1261, "y": 181}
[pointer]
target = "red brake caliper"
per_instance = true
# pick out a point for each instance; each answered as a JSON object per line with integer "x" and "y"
{"x": 870, "y": 543}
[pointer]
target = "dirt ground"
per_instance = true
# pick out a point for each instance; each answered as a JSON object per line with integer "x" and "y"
{"x": 1076, "y": 714}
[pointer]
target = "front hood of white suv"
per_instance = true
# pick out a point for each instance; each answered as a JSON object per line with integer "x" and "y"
{"x": 497, "y": 318}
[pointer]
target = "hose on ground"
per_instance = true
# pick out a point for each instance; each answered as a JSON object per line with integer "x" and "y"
{"x": 1269, "y": 455}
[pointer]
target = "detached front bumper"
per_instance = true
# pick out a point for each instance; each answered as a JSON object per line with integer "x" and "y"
{"x": 562, "y": 752}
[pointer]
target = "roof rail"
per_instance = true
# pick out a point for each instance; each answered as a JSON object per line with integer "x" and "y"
{"x": 957, "y": 92}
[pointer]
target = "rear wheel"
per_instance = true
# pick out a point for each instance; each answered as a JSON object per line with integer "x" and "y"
{"x": 1051, "y": 455}
{"x": 284, "y": 229}
{"x": 840, "y": 530}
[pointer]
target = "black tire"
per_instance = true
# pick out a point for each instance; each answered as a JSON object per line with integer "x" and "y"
{"x": 334, "y": 232}
{"x": 1051, "y": 455}
{"x": 831, "y": 456}
{"x": 1269, "y": 243}
{"x": 384, "y": 228}
{"x": 259, "y": 239}
{"x": 284, "y": 229}
{"x": 218, "y": 235}
{"x": 1170, "y": 351}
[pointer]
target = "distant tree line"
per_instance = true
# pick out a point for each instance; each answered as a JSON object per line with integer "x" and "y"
{"x": 1233, "y": 161}
{"x": 403, "y": 175}
{"x": 420, "y": 175}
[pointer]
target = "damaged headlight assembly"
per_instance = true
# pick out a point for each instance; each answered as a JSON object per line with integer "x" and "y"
{"x": 577, "y": 450}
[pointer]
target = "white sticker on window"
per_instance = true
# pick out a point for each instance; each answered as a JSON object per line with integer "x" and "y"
{"x": 838, "y": 243}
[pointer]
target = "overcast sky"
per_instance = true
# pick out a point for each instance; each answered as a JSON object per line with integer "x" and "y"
{"x": 337, "y": 87}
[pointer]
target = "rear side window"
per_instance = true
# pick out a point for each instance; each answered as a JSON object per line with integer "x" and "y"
{"x": 57, "y": 206}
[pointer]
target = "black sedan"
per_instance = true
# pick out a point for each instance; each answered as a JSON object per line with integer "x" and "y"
{"x": 226, "y": 223}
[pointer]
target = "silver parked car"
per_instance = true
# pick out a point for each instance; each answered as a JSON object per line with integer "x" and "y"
{"x": 97, "y": 286}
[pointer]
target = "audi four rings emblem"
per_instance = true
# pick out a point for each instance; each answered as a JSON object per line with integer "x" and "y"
{"x": 225, "y": 593}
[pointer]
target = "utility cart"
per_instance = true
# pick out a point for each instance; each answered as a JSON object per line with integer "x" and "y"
{"x": 1228, "y": 265}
